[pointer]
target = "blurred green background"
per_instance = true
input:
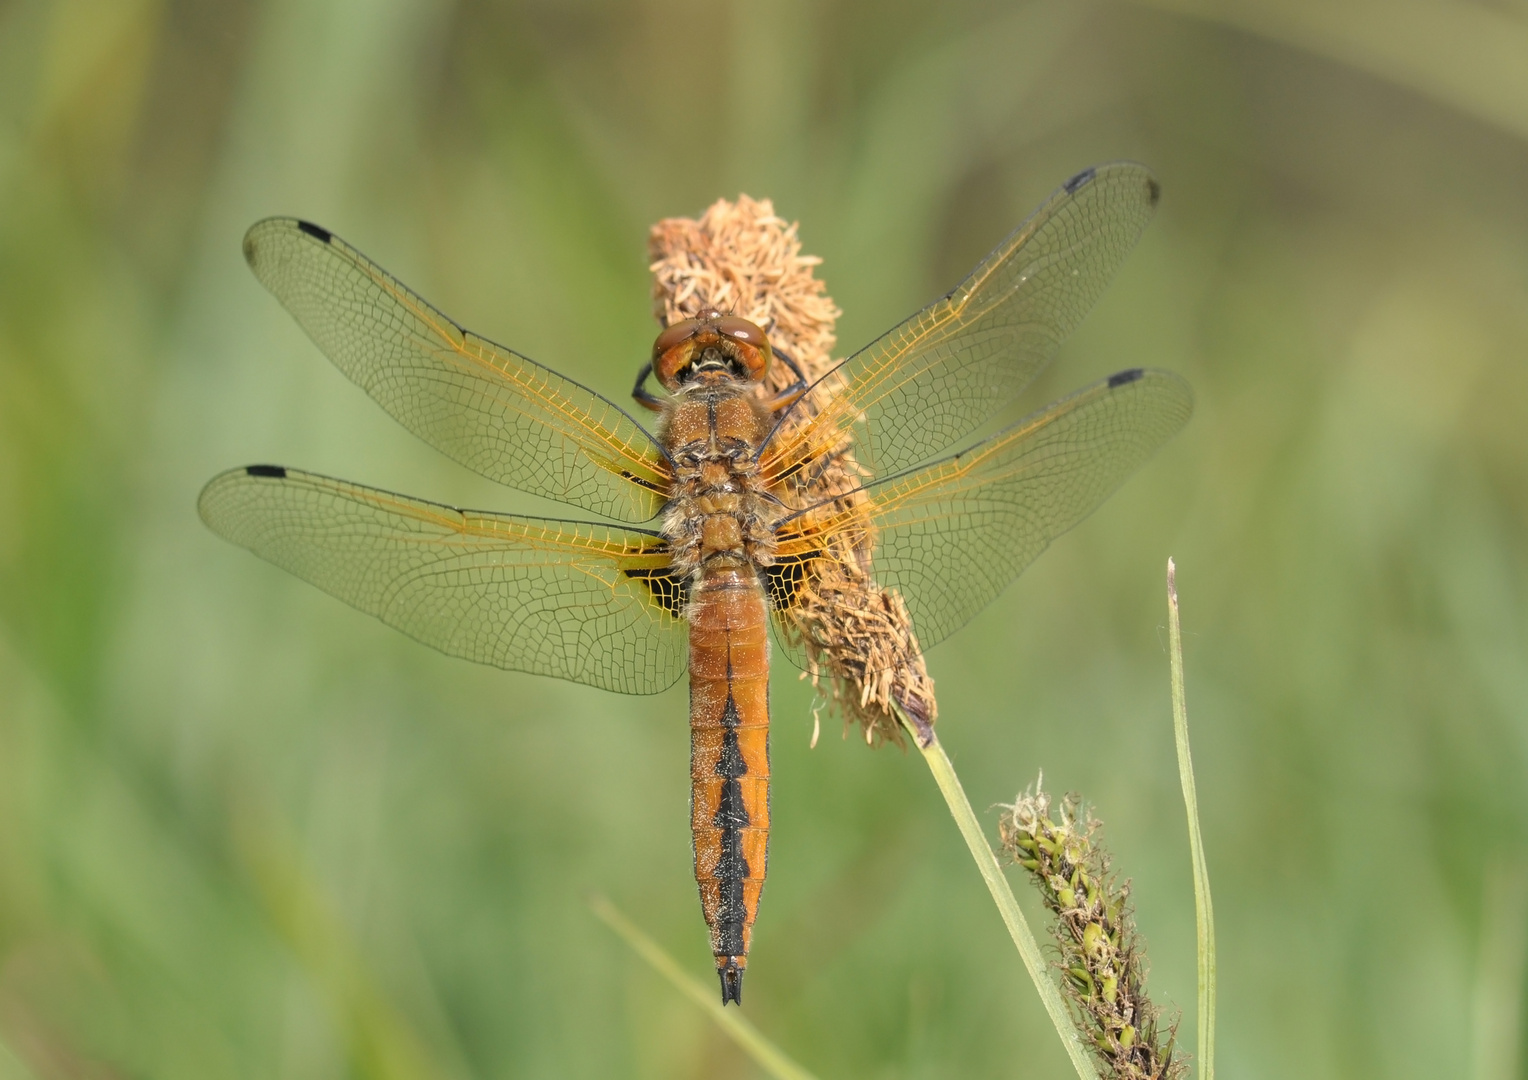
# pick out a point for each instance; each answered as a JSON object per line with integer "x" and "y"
{"x": 248, "y": 832}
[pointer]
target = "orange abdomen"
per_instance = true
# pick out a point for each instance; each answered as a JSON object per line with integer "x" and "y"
{"x": 729, "y": 760}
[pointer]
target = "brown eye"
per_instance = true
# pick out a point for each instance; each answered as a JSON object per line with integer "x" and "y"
{"x": 742, "y": 330}
{"x": 672, "y": 351}
{"x": 754, "y": 346}
{"x": 673, "y": 334}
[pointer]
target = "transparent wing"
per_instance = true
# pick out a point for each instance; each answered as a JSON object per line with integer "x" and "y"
{"x": 950, "y": 536}
{"x": 921, "y": 387}
{"x": 491, "y": 409}
{"x": 579, "y": 601}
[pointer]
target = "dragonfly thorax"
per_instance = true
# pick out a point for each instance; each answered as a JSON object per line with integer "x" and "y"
{"x": 717, "y": 514}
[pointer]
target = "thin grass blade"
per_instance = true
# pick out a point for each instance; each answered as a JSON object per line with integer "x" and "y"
{"x": 1018, "y": 927}
{"x": 1204, "y": 913}
{"x": 749, "y": 1039}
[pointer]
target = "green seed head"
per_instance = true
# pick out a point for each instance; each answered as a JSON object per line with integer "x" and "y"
{"x": 1101, "y": 958}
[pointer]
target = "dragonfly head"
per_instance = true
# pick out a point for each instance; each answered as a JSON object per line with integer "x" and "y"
{"x": 711, "y": 347}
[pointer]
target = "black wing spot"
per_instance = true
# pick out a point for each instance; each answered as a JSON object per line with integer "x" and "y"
{"x": 315, "y": 231}
{"x": 1153, "y": 192}
{"x": 670, "y": 591}
{"x": 626, "y": 474}
{"x": 784, "y": 580}
{"x": 1123, "y": 377}
{"x": 1079, "y": 180}
{"x": 275, "y": 472}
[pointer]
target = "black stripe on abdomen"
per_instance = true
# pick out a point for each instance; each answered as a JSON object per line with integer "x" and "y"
{"x": 731, "y": 818}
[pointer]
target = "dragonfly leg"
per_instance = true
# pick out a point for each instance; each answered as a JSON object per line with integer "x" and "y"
{"x": 792, "y": 393}
{"x": 643, "y": 395}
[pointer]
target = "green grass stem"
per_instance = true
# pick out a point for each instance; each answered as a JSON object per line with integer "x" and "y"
{"x": 1204, "y": 911}
{"x": 1018, "y": 927}
{"x": 749, "y": 1039}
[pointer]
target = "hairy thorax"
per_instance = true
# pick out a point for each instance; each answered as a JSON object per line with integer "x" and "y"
{"x": 717, "y": 516}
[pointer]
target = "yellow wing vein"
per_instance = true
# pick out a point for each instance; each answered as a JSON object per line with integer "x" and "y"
{"x": 924, "y": 385}
{"x": 427, "y": 315}
{"x": 495, "y": 411}
{"x": 950, "y": 535}
{"x": 575, "y": 600}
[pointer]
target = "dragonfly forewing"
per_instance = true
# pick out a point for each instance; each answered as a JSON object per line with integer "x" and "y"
{"x": 505, "y": 416}
{"x": 934, "y": 379}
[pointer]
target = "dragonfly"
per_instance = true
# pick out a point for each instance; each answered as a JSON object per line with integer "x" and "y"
{"x": 709, "y": 525}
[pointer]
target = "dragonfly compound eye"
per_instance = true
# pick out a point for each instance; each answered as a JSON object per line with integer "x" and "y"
{"x": 752, "y": 344}
{"x": 709, "y": 346}
{"x": 673, "y": 351}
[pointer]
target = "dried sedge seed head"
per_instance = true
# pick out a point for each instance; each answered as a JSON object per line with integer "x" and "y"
{"x": 857, "y": 637}
{"x": 740, "y": 258}
{"x": 1102, "y": 959}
